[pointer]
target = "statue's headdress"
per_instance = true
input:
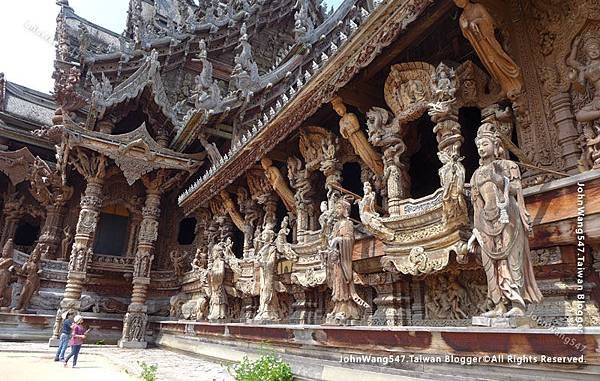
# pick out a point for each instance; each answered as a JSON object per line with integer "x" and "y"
{"x": 488, "y": 131}
{"x": 345, "y": 202}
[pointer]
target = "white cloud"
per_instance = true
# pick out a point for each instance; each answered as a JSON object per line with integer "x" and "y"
{"x": 27, "y": 35}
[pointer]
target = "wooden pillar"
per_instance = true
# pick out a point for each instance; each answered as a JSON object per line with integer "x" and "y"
{"x": 567, "y": 133}
{"x": 51, "y": 231}
{"x": 93, "y": 167}
{"x": 136, "y": 318}
{"x": 392, "y": 301}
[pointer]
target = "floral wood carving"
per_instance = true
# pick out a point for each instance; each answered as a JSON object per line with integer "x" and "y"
{"x": 407, "y": 89}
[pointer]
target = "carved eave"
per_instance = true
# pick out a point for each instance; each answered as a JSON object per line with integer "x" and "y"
{"x": 135, "y": 153}
{"x": 16, "y": 164}
{"x": 379, "y": 30}
{"x": 271, "y": 85}
{"x": 146, "y": 77}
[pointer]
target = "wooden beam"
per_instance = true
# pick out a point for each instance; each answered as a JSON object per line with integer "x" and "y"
{"x": 219, "y": 133}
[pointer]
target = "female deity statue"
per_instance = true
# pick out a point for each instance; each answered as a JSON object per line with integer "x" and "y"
{"x": 500, "y": 227}
{"x": 216, "y": 276}
{"x": 346, "y": 303}
{"x": 478, "y": 27}
{"x": 6, "y": 265}
{"x": 31, "y": 270}
{"x": 266, "y": 261}
{"x": 65, "y": 243}
{"x": 590, "y": 72}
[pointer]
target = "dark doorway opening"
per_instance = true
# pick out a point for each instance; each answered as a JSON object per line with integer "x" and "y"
{"x": 111, "y": 235}
{"x": 26, "y": 234}
{"x": 351, "y": 181}
{"x": 470, "y": 120}
{"x": 424, "y": 164}
{"x": 187, "y": 231}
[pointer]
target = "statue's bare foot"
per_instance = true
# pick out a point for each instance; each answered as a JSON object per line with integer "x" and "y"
{"x": 515, "y": 312}
{"x": 496, "y": 312}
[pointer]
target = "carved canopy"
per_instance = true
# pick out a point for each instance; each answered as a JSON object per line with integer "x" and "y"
{"x": 16, "y": 164}
{"x": 136, "y": 153}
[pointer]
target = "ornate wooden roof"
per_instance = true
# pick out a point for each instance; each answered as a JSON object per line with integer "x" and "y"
{"x": 352, "y": 54}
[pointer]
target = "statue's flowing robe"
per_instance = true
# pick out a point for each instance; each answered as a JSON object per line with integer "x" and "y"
{"x": 344, "y": 295}
{"x": 267, "y": 284}
{"x": 504, "y": 247}
{"x": 218, "y": 297}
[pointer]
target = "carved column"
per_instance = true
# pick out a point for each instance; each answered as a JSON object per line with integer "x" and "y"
{"x": 92, "y": 167}
{"x": 134, "y": 228}
{"x": 136, "y": 318}
{"x": 392, "y": 300}
{"x": 51, "y": 231}
{"x": 444, "y": 114}
{"x": 305, "y": 211}
{"x": 300, "y": 307}
{"x": 417, "y": 302}
{"x": 567, "y": 133}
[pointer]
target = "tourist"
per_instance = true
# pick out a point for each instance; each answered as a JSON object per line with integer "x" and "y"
{"x": 77, "y": 337}
{"x": 65, "y": 334}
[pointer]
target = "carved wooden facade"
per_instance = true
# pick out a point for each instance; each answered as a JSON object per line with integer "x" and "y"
{"x": 338, "y": 177}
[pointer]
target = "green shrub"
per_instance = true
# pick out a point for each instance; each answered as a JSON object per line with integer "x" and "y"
{"x": 266, "y": 368}
{"x": 100, "y": 342}
{"x": 148, "y": 371}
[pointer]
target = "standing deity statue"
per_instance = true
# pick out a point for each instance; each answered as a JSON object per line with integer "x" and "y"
{"x": 588, "y": 72}
{"x": 584, "y": 77}
{"x": 178, "y": 260}
{"x": 143, "y": 261}
{"x": 346, "y": 302}
{"x": 351, "y": 131}
{"x": 452, "y": 179}
{"x": 6, "y": 267}
{"x": 216, "y": 277}
{"x": 266, "y": 262}
{"x": 500, "y": 227}
{"x": 478, "y": 27}
{"x": 31, "y": 271}
{"x": 65, "y": 243}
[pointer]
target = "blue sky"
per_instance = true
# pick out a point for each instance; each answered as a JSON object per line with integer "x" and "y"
{"x": 27, "y": 35}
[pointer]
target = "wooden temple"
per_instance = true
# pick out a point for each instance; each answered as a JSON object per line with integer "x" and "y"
{"x": 414, "y": 176}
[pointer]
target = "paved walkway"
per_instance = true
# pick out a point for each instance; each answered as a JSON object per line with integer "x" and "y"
{"x": 34, "y": 361}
